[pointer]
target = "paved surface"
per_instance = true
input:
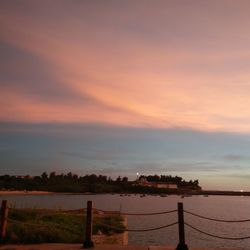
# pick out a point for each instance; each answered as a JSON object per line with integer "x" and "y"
{"x": 69, "y": 247}
{"x": 97, "y": 247}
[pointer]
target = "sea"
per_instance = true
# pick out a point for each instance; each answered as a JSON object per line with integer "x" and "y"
{"x": 234, "y": 208}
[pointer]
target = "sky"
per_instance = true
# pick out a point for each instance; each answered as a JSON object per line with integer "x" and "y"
{"x": 119, "y": 87}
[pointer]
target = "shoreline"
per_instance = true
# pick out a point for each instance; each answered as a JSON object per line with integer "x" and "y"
{"x": 203, "y": 193}
{"x": 20, "y": 192}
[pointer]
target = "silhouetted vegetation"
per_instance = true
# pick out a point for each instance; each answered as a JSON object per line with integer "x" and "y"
{"x": 73, "y": 183}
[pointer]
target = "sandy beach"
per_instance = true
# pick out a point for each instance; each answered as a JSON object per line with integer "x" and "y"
{"x": 9, "y": 192}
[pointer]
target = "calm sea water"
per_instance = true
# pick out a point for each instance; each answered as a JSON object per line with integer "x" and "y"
{"x": 222, "y": 207}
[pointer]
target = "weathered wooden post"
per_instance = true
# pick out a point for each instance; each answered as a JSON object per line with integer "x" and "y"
{"x": 88, "y": 243}
{"x": 4, "y": 217}
{"x": 182, "y": 245}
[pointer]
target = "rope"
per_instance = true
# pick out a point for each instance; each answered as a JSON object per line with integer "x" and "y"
{"x": 135, "y": 214}
{"x": 216, "y": 236}
{"x": 218, "y": 220}
{"x": 140, "y": 230}
{"x": 69, "y": 211}
{"x": 151, "y": 229}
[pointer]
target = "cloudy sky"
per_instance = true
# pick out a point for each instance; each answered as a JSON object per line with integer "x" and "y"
{"x": 119, "y": 87}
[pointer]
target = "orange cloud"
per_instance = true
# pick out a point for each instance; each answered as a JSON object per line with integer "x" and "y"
{"x": 129, "y": 78}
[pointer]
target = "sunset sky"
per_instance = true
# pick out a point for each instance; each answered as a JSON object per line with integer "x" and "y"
{"x": 119, "y": 87}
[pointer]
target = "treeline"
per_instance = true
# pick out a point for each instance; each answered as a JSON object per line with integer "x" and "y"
{"x": 64, "y": 183}
{"x": 81, "y": 184}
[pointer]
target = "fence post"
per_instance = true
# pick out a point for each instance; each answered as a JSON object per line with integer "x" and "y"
{"x": 182, "y": 245}
{"x": 88, "y": 243}
{"x": 4, "y": 217}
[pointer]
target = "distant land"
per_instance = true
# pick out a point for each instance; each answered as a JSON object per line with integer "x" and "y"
{"x": 99, "y": 184}
{"x": 72, "y": 183}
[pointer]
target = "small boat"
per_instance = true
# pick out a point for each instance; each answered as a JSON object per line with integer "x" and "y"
{"x": 163, "y": 195}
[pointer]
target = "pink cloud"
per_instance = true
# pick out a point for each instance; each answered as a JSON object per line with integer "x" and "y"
{"x": 132, "y": 79}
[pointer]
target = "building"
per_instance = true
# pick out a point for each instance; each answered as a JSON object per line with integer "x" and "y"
{"x": 167, "y": 185}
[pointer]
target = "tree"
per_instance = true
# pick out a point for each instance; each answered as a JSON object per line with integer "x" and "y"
{"x": 119, "y": 179}
{"x": 44, "y": 176}
{"x": 52, "y": 175}
{"x": 125, "y": 179}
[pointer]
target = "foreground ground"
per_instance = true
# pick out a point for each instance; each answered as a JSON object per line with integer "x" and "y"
{"x": 32, "y": 226}
{"x": 98, "y": 247}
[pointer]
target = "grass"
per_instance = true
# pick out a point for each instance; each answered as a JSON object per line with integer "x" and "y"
{"x": 108, "y": 224}
{"x": 40, "y": 226}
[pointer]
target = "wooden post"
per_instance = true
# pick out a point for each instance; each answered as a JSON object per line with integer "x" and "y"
{"x": 4, "y": 217}
{"x": 88, "y": 243}
{"x": 182, "y": 245}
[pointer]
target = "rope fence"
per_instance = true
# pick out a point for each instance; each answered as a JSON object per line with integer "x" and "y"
{"x": 141, "y": 230}
{"x": 181, "y": 223}
{"x": 137, "y": 214}
{"x": 88, "y": 243}
{"x": 216, "y": 236}
{"x": 217, "y": 220}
